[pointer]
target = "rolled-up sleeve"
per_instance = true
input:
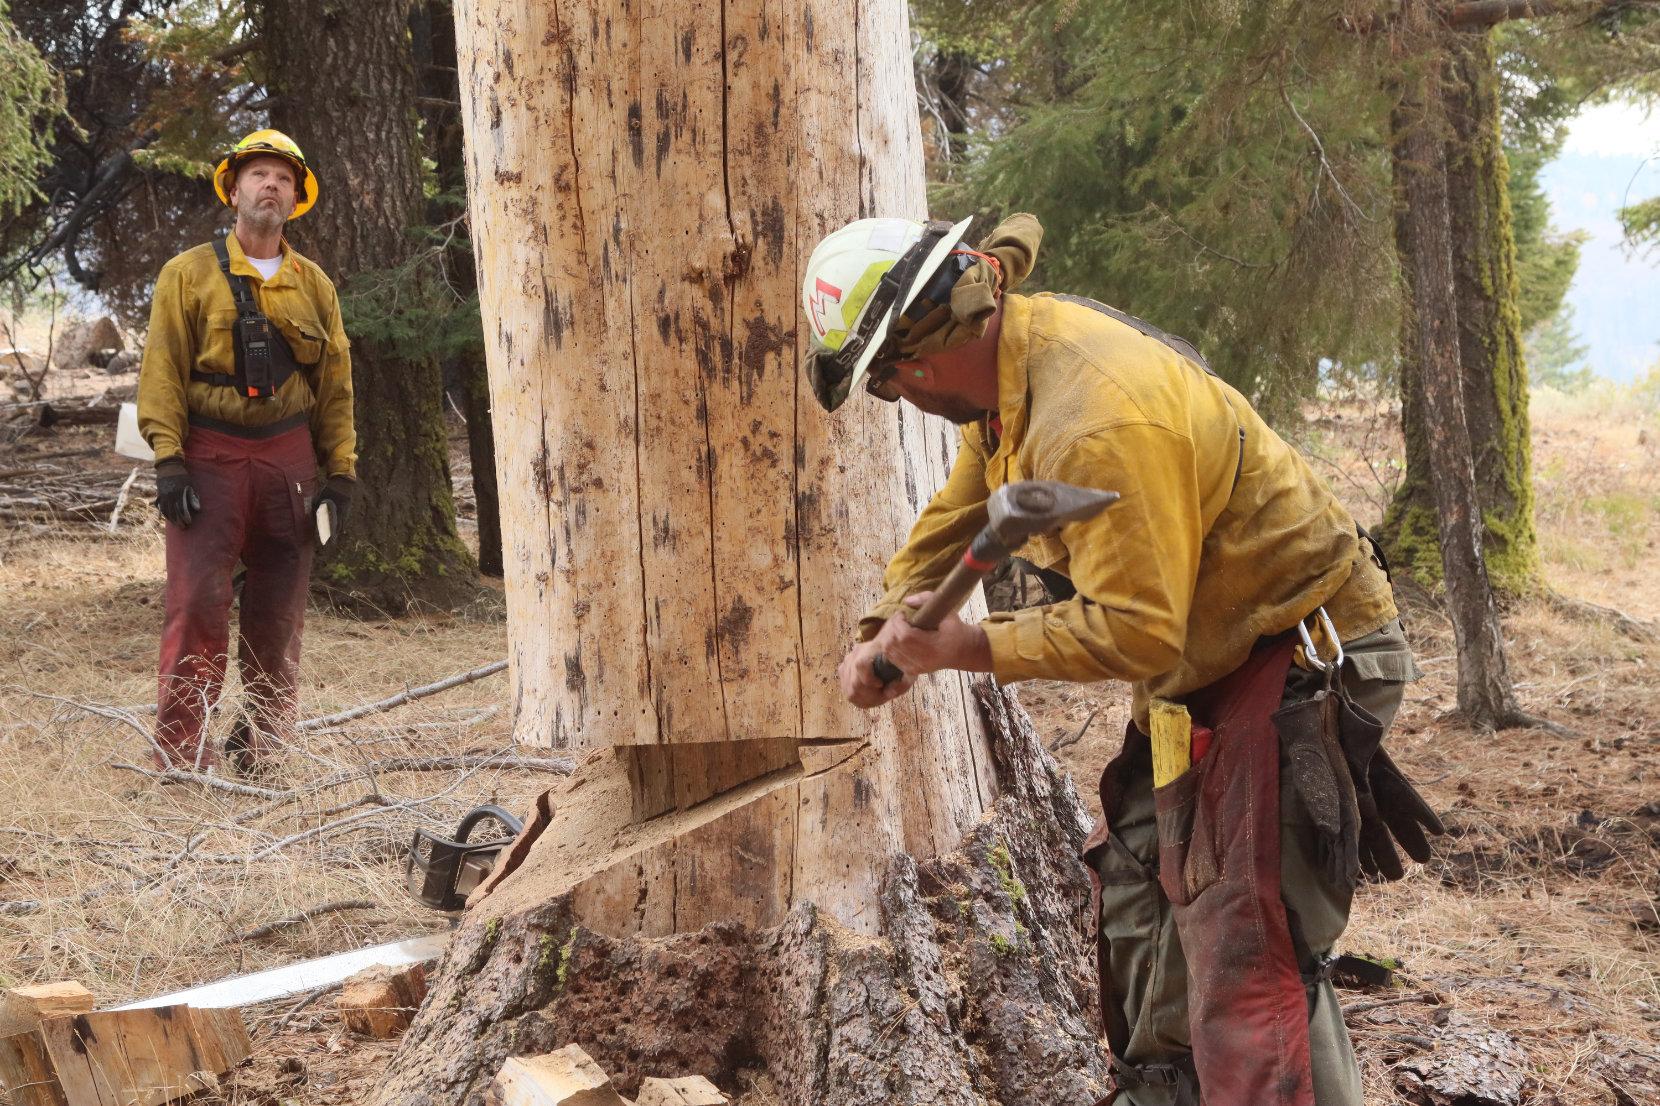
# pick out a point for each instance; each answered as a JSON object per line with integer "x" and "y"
{"x": 1135, "y": 566}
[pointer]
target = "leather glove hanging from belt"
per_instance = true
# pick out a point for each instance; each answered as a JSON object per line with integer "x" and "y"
{"x": 1361, "y": 804}
{"x": 1391, "y": 810}
{"x": 176, "y": 496}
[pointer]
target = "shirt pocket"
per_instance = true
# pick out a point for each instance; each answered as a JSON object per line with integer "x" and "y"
{"x": 305, "y": 335}
{"x": 218, "y": 348}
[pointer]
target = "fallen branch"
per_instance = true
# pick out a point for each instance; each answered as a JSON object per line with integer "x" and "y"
{"x": 403, "y": 697}
{"x": 341, "y": 823}
{"x": 306, "y": 915}
{"x": 310, "y": 998}
{"x": 1586, "y": 611}
{"x": 115, "y": 714}
{"x": 562, "y": 766}
{"x": 179, "y": 775}
{"x": 121, "y": 499}
{"x": 558, "y": 765}
{"x": 1063, "y": 741}
{"x": 1429, "y": 997}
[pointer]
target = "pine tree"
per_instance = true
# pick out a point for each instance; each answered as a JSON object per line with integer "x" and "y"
{"x": 30, "y": 99}
{"x": 344, "y": 76}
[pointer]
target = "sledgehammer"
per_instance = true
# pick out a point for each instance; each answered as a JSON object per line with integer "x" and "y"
{"x": 1016, "y": 512}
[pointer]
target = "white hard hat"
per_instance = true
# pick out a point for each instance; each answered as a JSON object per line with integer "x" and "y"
{"x": 858, "y": 281}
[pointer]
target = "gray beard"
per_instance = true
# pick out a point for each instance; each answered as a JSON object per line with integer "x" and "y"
{"x": 267, "y": 220}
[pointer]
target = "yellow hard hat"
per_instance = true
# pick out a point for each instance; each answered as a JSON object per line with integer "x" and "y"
{"x": 268, "y": 143}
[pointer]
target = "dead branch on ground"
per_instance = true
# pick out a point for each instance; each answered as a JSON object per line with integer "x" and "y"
{"x": 408, "y": 696}
{"x": 305, "y": 915}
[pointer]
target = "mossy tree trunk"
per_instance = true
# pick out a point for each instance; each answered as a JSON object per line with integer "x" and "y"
{"x": 344, "y": 80}
{"x": 1425, "y": 235}
{"x": 1490, "y": 343}
{"x": 744, "y": 871}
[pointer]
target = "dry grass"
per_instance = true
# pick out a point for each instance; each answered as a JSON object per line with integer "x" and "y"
{"x": 144, "y": 887}
{"x": 1525, "y": 923}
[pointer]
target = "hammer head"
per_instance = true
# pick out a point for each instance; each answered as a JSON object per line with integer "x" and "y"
{"x": 1031, "y": 507}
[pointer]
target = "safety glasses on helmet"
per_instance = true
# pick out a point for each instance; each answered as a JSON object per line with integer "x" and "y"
{"x": 831, "y": 371}
{"x": 937, "y": 293}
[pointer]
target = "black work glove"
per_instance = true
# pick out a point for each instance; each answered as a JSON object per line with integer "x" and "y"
{"x": 338, "y": 491}
{"x": 176, "y": 496}
{"x": 1308, "y": 735}
{"x": 1391, "y": 810}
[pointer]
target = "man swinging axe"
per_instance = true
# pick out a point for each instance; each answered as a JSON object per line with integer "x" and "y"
{"x": 245, "y": 394}
{"x": 1221, "y": 893}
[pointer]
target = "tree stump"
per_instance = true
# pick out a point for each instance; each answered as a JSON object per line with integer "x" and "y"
{"x": 979, "y": 988}
{"x": 744, "y": 871}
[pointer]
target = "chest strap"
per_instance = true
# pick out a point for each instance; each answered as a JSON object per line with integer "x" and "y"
{"x": 1175, "y": 342}
{"x": 264, "y": 359}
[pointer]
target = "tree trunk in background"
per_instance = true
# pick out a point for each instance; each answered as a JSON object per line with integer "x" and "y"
{"x": 1485, "y": 696}
{"x": 346, "y": 86}
{"x": 745, "y": 871}
{"x": 481, "y": 451}
{"x": 1494, "y": 376}
{"x": 433, "y": 25}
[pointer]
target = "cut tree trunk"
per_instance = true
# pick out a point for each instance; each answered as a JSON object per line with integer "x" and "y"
{"x": 979, "y": 987}
{"x": 344, "y": 79}
{"x": 1492, "y": 371}
{"x": 743, "y": 871}
{"x": 1485, "y": 696}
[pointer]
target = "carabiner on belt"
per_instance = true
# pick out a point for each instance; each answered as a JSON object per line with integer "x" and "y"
{"x": 1310, "y": 652}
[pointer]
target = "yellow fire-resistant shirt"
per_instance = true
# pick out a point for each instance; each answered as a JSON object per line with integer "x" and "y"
{"x": 191, "y": 318}
{"x": 1217, "y": 539}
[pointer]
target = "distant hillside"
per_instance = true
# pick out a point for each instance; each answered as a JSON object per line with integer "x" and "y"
{"x": 1614, "y": 295}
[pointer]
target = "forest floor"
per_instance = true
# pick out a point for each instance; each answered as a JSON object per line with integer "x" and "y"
{"x": 1536, "y": 924}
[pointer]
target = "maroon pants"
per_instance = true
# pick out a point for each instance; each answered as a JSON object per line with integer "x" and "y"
{"x": 1218, "y": 867}
{"x": 255, "y": 497}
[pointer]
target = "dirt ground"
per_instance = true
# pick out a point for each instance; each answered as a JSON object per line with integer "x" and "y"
{"x": 1533, "y": 934}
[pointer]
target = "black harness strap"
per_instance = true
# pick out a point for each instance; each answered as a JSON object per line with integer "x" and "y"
{"x": 252, "y": 433}
{"x": 1175, "y": 342}
{"x": 264, "y": 359}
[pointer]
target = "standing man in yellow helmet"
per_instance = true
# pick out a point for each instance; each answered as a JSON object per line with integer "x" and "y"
{"x": 245, "y": 394}
{"x": 1223, "y": 885}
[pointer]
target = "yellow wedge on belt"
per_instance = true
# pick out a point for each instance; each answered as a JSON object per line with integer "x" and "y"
{"x": 1172, "y": 740}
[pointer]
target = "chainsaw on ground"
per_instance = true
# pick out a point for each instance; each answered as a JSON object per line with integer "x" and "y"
{"x": 441, "y": 873}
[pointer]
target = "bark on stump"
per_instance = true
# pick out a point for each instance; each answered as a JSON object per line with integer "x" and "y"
{"x": 980, "y": 989}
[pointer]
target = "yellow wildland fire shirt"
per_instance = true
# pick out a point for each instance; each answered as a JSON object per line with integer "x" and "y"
{"x": 1218, "y": 539}
{"x": 191, "y": 318}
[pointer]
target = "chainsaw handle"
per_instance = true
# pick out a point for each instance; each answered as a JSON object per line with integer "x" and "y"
{"x": 478, "y": 814}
